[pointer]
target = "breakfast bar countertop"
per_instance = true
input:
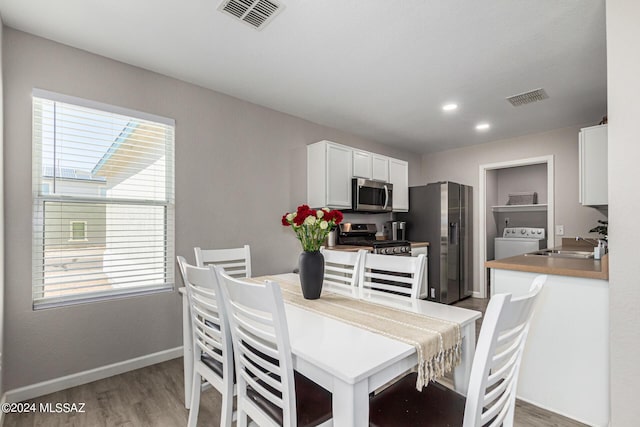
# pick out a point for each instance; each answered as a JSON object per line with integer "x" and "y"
{"x": 587, "y": 268}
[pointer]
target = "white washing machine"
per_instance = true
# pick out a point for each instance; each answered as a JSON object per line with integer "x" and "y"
{"x": 519, "y": 240}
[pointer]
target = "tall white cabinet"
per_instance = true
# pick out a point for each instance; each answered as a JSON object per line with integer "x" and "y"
{"x": 593, "y": 166}
{"x": 399, "y": 177}
{"x": 331, "y": 166}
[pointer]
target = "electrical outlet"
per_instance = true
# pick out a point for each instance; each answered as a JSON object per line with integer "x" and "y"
{"x": 559, "y": 230}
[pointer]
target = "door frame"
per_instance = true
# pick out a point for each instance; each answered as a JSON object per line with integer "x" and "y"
{"x": 482, "y": 209}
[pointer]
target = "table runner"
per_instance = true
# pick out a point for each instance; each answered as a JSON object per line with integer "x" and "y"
{"x": 437, "y": 342}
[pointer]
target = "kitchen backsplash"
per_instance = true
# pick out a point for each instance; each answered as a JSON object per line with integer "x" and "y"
{"x": 377, "y": 219}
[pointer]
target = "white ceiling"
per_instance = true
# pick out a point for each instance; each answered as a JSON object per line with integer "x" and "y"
{"x": 380, "y": 69}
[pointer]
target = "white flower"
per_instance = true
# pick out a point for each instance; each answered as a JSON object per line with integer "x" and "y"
{"x": 326, "y": 209}
{"x": 320, "y": 213}
{"x": 310, "y": 220}
{"x": 324, "y": 225}
{"x": 291, "y": 216}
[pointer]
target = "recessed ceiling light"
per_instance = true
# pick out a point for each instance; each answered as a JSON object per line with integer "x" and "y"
{"x": 449, "y": 107}
{"x": 482, "y": 126}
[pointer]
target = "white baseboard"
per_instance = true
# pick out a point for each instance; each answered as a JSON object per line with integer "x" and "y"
{"x": 475, "y": 294}
{"x": 62, "y": 383}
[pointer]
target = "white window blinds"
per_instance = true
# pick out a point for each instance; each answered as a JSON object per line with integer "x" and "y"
{"x": 103, "y": 201}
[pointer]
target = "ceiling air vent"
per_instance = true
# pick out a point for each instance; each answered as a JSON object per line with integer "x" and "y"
{"x": 256, "y": 13}
{"x": 527, "y": 97}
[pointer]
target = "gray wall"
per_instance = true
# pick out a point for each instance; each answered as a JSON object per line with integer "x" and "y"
{"x": 623, "y": 69}
{"x": 522, "y": 179}
{"x": 239, "y": 167}
{"x": 462, "y": 165}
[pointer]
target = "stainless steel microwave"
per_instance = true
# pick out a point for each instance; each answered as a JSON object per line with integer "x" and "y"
{"x": 371, "y": 196}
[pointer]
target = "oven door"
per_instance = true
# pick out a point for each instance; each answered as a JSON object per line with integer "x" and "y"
{"x": 372, "y": 196}
{"x": 390, "y": 251}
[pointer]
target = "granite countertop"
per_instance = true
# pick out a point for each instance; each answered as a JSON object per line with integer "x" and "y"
{"x": 351, "y": 248}
{"x": 587, "y": 268}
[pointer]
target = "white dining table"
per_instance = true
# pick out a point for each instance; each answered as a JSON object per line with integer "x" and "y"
{"x": 349, "y": 361}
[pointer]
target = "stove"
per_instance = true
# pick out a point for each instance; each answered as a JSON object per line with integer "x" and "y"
{"x": 392, "y": 247}
{"x": 365, "y": 235}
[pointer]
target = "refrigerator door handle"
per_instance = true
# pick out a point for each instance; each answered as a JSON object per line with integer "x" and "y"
{"x": 454, "y": 233}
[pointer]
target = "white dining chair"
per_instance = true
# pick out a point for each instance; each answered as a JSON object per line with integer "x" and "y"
{"x": 212, "y": 348}
{"x": 235, "y": 261}
{"x": 269, "y": 392}
{"x": 491, "y": 394}
{"x": 341, "y": 268}
{"x": 402, "y": 275}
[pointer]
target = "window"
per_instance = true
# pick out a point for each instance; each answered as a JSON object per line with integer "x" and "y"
{"x": 78, "y": 231}
{"x": 103, "y": 201}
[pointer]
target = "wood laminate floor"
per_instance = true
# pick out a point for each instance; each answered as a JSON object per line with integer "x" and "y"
{"x": 153, "y": 396}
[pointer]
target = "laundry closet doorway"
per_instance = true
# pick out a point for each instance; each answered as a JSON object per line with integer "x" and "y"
{"x": 497, "y": 181}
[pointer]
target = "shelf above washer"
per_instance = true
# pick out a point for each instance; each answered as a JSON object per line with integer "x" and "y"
{"x": 520, "y": 208}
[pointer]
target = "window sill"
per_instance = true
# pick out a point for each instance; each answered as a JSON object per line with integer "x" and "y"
{"x": 57, "y": 302}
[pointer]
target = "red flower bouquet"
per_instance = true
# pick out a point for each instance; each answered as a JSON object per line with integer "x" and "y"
{"x": 312, "y": 226}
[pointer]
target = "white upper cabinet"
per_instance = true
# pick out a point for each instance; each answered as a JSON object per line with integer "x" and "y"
{"x": 361, "y": 164}
{"x": 399, "y": 177}
{"x": 593, "y": 166}
{"x": 329, "y": 172}
{"x": 332, "y": 166}
{"x": 380, "y": 168}
{"x": 370, "y": 166}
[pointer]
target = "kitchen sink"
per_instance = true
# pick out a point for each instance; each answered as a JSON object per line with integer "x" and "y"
{"x": 560, "y": 253}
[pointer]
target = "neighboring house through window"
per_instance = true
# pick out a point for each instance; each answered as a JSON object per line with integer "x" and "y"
{"x": 78, "y": 231}
{"x": 103, "y": 201}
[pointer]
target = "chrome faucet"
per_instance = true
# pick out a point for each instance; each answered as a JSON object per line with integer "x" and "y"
{"x": 600, "y": 246}
{"x": 594, "y": 242}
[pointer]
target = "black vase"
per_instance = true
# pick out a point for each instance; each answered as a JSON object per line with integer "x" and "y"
{"x": 311, "y": 274}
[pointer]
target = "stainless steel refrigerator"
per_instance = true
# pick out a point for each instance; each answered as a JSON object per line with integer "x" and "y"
{"x": 441, "y": 213}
